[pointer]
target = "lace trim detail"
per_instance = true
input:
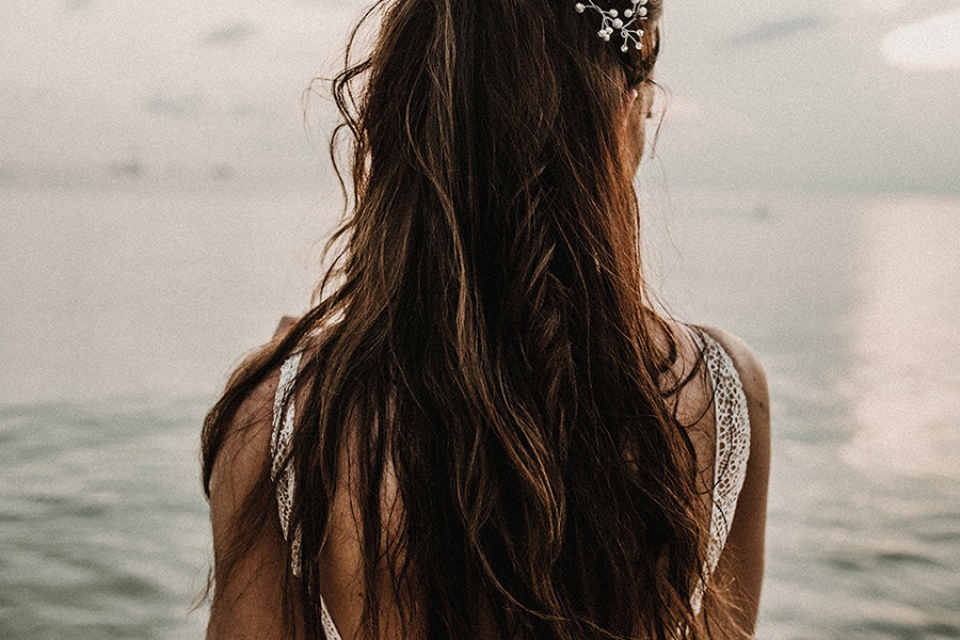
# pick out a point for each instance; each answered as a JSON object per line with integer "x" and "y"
{"x": 733, "y": 445}
{"x": 329, "y": 629}
{"x": 732, "y": 426}
{"x": 280, "y": 443}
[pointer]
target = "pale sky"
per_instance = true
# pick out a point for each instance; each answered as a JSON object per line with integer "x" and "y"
{"x": 854, "y": 95}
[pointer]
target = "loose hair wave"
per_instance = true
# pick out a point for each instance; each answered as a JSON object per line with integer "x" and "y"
{"x": 485, "y": 338}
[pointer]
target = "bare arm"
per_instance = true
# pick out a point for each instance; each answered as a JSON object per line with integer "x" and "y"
{"x": 247, "y": 602}
{"x": 741, "y": 564}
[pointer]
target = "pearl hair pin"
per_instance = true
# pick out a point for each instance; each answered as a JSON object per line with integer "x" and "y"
{"x": 613, "y": 22}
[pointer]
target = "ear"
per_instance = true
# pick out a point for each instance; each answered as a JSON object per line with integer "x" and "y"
{"x": 629, "y": 101}
{"x": 629, "y": 104}
{"x": 633, "y": 129}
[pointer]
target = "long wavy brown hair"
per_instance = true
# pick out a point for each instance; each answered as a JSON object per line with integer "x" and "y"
{"x": 485, "y": 335}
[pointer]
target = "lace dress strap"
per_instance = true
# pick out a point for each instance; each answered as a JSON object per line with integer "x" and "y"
{"x": 280, "y": 443}
{"x": 732, "y": 425}
{"x": 733, "y": 444}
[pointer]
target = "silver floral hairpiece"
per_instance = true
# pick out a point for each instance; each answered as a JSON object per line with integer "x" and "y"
{"x": 613, "y": 22}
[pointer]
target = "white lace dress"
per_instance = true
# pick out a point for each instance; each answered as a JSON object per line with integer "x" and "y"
{"x": 730, "y": 467}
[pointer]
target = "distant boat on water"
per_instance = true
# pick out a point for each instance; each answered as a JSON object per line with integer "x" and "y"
{"x": 762, "y": 210}
{"x": 132, "y": 167}
{"x": 222, "y": 172}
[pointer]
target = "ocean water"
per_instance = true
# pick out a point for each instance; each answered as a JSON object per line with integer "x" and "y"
{"x": 103, "y": 529}
{"x": 123, "y": 305}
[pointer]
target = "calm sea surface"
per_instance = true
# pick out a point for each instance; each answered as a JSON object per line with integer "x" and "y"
{"x": 123, "y": 306}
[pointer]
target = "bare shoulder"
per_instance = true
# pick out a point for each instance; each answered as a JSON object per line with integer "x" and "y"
{"x": 745, "y": 361}
{"x": 742, "y": 562}
{"x": 751, "y": 372}
{"x": 249, "y": 552}
{"x": 246, "y": 445}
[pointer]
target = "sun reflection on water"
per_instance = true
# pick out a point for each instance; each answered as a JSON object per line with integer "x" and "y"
{"x": 907, "y": 375}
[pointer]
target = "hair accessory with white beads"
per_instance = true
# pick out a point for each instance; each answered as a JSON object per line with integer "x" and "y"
{"x": 613, "y": 22}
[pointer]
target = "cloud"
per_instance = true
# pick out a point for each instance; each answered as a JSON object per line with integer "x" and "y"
{"x": 71, "y": 6}
{"x": 179, "y": 107}
{"x": 230, "y": 35}
{"x": 882, "y": 6}
{"x": 932, "y": 44}
{"x": 773, "y": 31}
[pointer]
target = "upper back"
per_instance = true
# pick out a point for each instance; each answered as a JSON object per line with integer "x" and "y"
{"x": 711, "y": 405}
